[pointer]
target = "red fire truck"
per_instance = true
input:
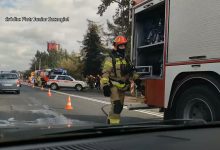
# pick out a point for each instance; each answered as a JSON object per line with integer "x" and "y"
{"x": 176, "y": 50}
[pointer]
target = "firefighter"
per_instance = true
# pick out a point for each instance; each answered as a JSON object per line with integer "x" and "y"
{"x": 39, "y": 82}
{"x": 117, "y": 73}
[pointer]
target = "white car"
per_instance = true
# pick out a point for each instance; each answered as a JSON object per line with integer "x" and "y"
{"x": 58, "y": 81}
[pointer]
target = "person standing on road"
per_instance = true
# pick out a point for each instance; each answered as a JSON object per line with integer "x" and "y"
{"x": 117, "y": 73}
{"x": 91, "y": 81}
{"x": 97, "y": 82}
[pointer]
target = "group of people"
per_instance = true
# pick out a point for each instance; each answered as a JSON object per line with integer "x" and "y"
{"x": 93, "y": 81}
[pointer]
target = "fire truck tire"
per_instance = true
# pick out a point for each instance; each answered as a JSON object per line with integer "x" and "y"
{"x": 198, "y": 102}
{"x": 54, "y": 86}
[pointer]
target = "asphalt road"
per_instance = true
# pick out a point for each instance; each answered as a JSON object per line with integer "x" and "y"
{"x": 34, "y": 106}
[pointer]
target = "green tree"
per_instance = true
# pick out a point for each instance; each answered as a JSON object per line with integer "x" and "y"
{"x": 26, "y": 74}
{"x": 91, "y": 49}
{"x": 73, "y": 65}
{"x": 121, "y": 24}
{"x": 38, "y": 60}
{"x": 45, "y": 60}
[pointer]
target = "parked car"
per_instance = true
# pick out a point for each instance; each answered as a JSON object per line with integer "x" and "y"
{"x": 9, "y": 82}
{"x": 59, "y": 81}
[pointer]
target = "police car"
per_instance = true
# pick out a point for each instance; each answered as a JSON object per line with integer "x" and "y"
{"x": 65, "y": 81}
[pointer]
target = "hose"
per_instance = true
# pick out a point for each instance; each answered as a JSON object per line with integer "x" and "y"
{"x": 106, "y": 114}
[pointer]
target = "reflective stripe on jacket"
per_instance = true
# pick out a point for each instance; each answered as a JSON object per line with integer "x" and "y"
{"x": 108, "y": 72}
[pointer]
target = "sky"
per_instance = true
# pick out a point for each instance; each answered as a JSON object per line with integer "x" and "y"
{"x": 19, "y": 40}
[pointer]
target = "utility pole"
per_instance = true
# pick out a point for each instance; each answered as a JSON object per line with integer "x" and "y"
{"x": 40, "y": 64}
{"x": 35, "y": 63}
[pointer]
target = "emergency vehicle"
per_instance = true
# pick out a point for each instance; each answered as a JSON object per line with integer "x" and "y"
{"x": 41, "y": 77}
{"x": 65, "y": 81}
{"x": 176, "y": 50}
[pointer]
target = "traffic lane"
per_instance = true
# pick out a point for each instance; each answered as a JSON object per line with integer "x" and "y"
{"x": 86, "y": 109}
{"x": 9, "y": 99}
{"x": 97, "y": 94}
{"x": 26, "y": 109}
{"x": 89, "y": 109}
{"x": 94, "y": 93}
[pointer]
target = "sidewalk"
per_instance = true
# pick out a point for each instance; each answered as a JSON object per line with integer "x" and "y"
{"x": 134, "y": 100}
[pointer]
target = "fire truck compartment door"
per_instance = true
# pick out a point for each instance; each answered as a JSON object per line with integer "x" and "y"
{"x": 194, "y": 30}
{"x": 155, "y": 92}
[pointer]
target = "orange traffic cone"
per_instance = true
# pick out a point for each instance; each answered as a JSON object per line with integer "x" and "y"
{"x": 69, "y": 105}
{"x": 49, "y": 93}
{"x": 42, "y": 88}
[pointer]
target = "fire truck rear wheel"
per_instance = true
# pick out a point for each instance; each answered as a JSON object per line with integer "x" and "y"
{"x": 198, "y": 102}
{"x": 54, "y": 86}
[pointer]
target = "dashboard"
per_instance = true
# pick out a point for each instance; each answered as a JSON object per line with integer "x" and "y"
{"x": 190, "y": 139}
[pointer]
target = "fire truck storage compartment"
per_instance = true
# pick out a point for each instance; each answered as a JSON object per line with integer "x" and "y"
{"x": 149, "y": 40}
{"x": 151, "y": 57}
{"x": 194, "y": 30}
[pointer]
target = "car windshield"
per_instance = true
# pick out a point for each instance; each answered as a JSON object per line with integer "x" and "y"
{"x": 69, "y": 78}
{"x": 8, "y": 76}
{"x": 89, "y": 63}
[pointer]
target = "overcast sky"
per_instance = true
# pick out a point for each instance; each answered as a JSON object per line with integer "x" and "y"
{"x": 19, "y": 40}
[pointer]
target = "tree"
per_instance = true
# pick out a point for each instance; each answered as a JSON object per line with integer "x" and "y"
{"x": 43, "y": 60}
{"x": 121, "y": 24}
{"x": 26, "y": 74}
{"x": 91, "y": 48}
{"x": 72, "y": 64}
{"x": 40, "y": 60}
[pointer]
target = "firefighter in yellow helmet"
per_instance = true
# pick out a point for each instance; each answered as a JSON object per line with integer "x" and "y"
{"x": 116, "y": 75}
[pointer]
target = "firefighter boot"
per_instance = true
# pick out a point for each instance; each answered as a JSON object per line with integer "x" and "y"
{"x": 114, "y": 115}
{"x": 113, "y": 120}
{"x": 117, "y": 107}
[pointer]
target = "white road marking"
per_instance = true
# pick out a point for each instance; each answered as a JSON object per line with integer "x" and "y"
{"x": 150, "y": 113}
{"x": 82, "y": 97}
{"x": 146, "y": 112}
{"x": 103, "y": 102}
